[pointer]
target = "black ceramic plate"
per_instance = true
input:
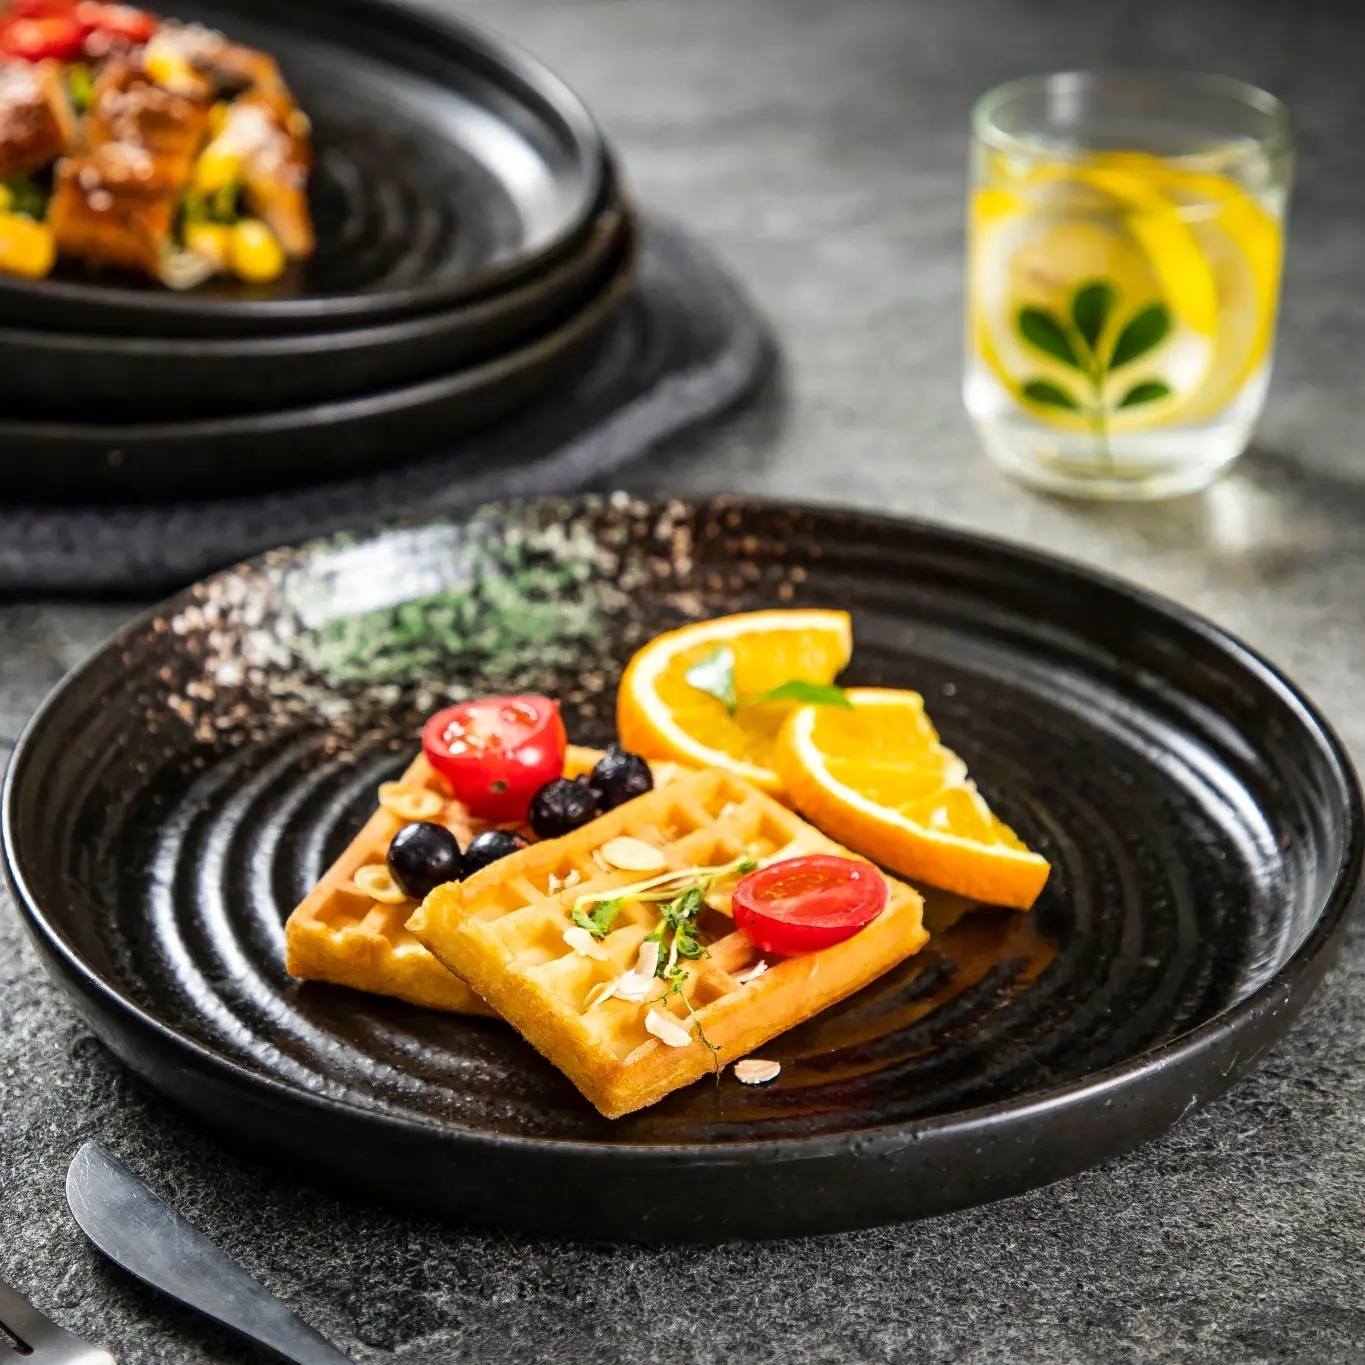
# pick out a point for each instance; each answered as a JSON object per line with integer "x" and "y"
{"x": 449, "y": 164}
{"x": 181, "y": 790}
{"x": 88, "y": 379}
{"x": 67, "y": 463}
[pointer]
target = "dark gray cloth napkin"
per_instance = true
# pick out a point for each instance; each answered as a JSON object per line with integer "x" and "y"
{"x": 686, "y": 346}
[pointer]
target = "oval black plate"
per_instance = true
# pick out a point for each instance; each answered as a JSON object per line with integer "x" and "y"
{"x": 448, "y": 164}
{"x": 175, "y": 796}
{"x": 218, "y": 457}
{"x": 89, "y": 379}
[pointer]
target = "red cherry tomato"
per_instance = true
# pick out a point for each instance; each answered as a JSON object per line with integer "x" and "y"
{"x": 57, "y": 37}
{"x": 804, "y": 904}
{"x": 497, "y": 753}
{"x": 119, "y": 21}
{"x": 39, "y": 9}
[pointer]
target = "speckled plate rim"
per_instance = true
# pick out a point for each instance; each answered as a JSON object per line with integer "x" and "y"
{"x": 1287, "y": 991}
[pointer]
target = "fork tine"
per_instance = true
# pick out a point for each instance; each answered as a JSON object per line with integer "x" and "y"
{"x": 19, "y": 1317}
{"x": 44, "y": 1341}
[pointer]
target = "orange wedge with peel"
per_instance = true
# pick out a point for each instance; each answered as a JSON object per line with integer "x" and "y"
{"x": 878, "y": 779}
{"x": 660, "y": 714}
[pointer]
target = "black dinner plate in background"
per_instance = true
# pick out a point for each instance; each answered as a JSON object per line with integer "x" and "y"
{"x": 66, "y": 462}
{"x": 449, "y": 164}
{"x": 182, "y": 789}
{"x": 100, "y": 379}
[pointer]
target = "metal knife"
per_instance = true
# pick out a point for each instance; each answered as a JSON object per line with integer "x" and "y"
{"x": 148, "y": 1238}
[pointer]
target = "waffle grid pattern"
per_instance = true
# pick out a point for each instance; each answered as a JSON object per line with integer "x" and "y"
{"x": 503, "y": 932}
{"x": 341, "y": 934}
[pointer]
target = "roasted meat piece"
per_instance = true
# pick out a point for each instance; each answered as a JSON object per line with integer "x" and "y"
{"x": 115, "y": 205}
{"x": 116, "y": 202}
{"x": 37, "y": 123}
{"x": 273, "y": 163}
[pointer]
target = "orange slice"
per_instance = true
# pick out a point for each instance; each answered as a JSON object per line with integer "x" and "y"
{"x": 661, "y": 715}
{"x": 878, "y": 779}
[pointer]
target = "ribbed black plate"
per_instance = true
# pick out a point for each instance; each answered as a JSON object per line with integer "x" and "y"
{"x": 71, "y": 377}
{"x": 449, "y": 164}
{"x": 179, "y": 792}
{"x": 67, "y": 462}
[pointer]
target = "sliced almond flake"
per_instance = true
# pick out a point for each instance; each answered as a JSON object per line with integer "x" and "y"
{"x": 753, "y": 973}
{"x": 573, "y": 878}
{"x": 377, "y": 882}
{"x": 409, "y": 803}
{"x": 604, "y": 990}
{"x": 632, "y": 855}
{"x": 554, "y": 886}
{"x": 667, "y": 1029}
{"x": 600, "y": 860}
{"x": 583, "y": 942}
{"x": 635, "y": 987}
{"x": 755, "y": 1071}
{"x": 648, "y": 961}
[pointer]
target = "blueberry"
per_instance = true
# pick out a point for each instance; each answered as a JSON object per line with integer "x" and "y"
{"x": 491, "y": 845}
{"x": 620, "y": 776}
{"x": 422, "y": 856}
{"x": 562, "y": 806}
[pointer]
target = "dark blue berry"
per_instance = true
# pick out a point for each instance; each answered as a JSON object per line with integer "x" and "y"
{"x": 620, "y": 776}
{"x": 562, "y": 806}
{"x": 422, "y": 856}
{"x": 488, "y": 848}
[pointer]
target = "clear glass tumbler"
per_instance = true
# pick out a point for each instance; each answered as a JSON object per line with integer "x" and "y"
{"x": 1125, "y": 244}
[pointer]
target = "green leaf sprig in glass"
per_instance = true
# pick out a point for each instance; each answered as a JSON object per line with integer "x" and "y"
{"x": 1080, "y": 343}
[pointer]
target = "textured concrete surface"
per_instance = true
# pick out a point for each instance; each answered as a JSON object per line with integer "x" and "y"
{"x": 821, "y": 145}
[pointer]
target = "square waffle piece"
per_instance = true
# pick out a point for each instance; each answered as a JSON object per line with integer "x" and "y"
{"x": 342, "y": 933}
{"x": 503, "y": 930}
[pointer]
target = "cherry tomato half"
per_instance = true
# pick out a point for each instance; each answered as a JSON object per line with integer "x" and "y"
{"x": 496, "y": 753}
{"x": 40, "y": 9}
{"x": 804, "y": 904}
{"x": 57, "y": 37}
{"x": 119, "y": 21}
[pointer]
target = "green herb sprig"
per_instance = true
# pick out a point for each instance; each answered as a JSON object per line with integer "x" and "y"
{"x": 599, "y": 920}
{"x": 715, "y": 675}
{"x": 1080, "y": 343}
{"x": 680, "y": 897}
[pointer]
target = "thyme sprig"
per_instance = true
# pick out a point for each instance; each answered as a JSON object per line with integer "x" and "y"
{"x": 679, "y": 930}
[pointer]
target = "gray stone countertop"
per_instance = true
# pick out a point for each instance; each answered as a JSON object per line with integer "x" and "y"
{"x": 820, "y": 145}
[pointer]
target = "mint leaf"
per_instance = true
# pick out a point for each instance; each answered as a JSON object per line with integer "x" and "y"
{"x": 1144, "y": 332}
{"x": 1042, "y": 330}
{"x": 1149, "y": 391}
{"x": 715, "y": 675}
{"x": 1091, "y": 306}
{"x": 807, "y": 693}
{"x": 1040, "y": 391}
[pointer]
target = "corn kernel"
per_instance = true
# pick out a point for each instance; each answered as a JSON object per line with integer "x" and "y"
{"x": 215, "y": 169}
{"x": 212, "y": 241}
{"x": 27, "y": 249}
{"x": 254, "y": 252}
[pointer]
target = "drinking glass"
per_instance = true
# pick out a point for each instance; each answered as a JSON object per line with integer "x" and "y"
{"x": 1125, "y": 242}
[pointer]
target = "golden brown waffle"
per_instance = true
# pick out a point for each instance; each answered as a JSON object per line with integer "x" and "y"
{"x": 503, "y": 932}
{"x": 340, "y": 933}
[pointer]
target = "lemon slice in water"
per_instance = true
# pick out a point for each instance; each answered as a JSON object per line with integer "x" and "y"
{"x": 1153, "y": 239}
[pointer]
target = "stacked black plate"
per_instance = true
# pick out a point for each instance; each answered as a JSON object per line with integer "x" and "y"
{"x": 473, "y": 247}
